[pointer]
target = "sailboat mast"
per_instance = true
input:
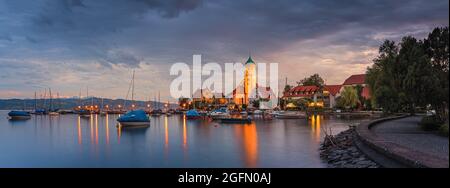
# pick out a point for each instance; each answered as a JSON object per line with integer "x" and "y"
{"x": 44, "y": 105}
{"x": 101, "y": 105}
{"x": 51, "y": 101}
{"x": 79, "y": 98}
{"x": 35, "y": 101}
{"x": 87, "y": 93}
{"x": 132, "y": 89}
{"x": 159, "y": 100}
{"x": 59, "y": 100}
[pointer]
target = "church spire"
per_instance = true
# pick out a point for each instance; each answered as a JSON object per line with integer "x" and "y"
{"x": 250, "y": 60}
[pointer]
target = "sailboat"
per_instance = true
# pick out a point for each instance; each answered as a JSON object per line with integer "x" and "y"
{"x": 102, "y": 111}
{"x": 156, "y": 112}
{"x": 134, "y": 117}
{"x": 38, "y": 111}
{"x": 193, "y": 113}
{"x": 19, "y": 114}
{"x": 52, "y": 112}
{"x": 84, "y": 112}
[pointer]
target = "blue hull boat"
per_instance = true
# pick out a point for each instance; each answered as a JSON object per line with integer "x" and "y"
{"x": 40, "y": 111}
{"x": 193, "y": 114}
{"x": 19, "y": 115}
{"x": 134, "y": 118}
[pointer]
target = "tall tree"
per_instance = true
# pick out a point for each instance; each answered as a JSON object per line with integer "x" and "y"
{"x": 418, "y": 79}
{"x": 413, "y": 73}
{"x": 313, "y": 80}
{"x": 382, "y": 80}
{"x": 436, "y": 46}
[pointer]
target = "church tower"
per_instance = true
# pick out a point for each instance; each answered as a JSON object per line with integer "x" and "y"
{"x": 249, "y": 79}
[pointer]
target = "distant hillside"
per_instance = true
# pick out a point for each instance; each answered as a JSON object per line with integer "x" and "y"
{"x": 11, "y": 104}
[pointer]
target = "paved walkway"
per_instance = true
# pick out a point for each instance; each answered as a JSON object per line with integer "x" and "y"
{"x": 406, "y": 132}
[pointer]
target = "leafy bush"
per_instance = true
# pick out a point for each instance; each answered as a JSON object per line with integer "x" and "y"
{"x": 430, "y": 123}
{"x": 444, "y": 129}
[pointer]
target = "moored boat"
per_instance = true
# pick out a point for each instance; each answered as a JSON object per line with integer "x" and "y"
{"x": 134, "y": 118}
{"x": 53, "y": 114}
{"x": 84, "y": 113}
{"x": 290, "y": 115}
{"x": 19, "y": 115}
{"x": 193, "y": 114}
{"x": 40, "y": 111}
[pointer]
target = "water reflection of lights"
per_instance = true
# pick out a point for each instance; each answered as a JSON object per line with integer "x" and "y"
{"x": 184, "y": 134}
{"x": 119, "y": 132}
{"x": 107, "y": 128}
{"x": 96, "y": 129}
{"x": 79, "y": 130}
{"x": 315, "y": 126}
{"x": 249, "y": 136}
{"x": 92, "y": 128}
{"x": 166, "y": 132}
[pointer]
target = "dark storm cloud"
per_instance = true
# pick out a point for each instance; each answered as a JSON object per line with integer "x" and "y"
{"x": 92, "y": 28}
{"x": 131, "y": 33}
{"x": 171, "y": 8}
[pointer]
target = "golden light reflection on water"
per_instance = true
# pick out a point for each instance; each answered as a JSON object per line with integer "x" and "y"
{"x": 96, "y": 129}
{"x": 315, "y": 124}
{"x": 119, "y": 132}
{"x": 79, "y": 130}
{"x": 249, "y": 137}
{"x": 107, "y": 128}
{"x": 184, "y": 134}
{"x": 91, "y": 124}
{"x": 166, "y": 133}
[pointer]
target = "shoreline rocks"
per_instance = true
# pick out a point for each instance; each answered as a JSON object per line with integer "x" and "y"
{"x": 339, "y": 151}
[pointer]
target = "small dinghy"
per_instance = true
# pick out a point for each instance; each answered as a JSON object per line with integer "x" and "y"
{"x": 134, "y": 118}
{"x": 19, "y": 115}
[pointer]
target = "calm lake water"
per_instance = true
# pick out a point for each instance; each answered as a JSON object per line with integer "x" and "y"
{"x": 70, "y": 141}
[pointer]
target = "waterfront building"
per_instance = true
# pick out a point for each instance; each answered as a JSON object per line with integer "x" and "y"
{"x": 204, "y": 98}
{"x": 328, "y": 94}
{"x": 355, "y": 80}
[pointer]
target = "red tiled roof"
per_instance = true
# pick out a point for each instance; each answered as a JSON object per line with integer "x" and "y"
{"x": 298, "y": 91}
{"x": 333, "y": 89}
{"x": 355, "y": 79}
{"x": 304, "y": 89}
{"x": 298, "y": 95}
{"x": 365, "y": 92}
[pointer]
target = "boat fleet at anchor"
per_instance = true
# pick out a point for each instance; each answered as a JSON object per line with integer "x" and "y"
{"x": 138, "y": 117}
{"x": 225, "y": 116}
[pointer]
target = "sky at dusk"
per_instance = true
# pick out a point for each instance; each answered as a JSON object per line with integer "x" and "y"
{"x": 71, "y": 44}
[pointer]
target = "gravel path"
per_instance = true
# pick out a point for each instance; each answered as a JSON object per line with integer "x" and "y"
{"x": 407, "y": 132}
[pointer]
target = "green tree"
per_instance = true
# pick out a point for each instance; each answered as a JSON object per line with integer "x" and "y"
{"x": 287, "y": 88}
{"x": 436, "y": 46}
{"x": 348, "y": 98}
{"x": 381, "y": 78}
{"x": 359, "y": 89}
{"x": 411, "y": 74}
{"x": 313, "y": 80}
{"x": 418, "y": 82}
